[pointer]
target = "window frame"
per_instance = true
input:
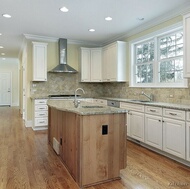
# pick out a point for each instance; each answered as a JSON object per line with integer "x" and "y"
{"x": 153, "y": 36}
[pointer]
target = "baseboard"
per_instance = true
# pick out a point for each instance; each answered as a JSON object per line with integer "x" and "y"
{"x": 28, "y": 123}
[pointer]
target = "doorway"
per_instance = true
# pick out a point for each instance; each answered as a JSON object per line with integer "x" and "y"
{"x": 5, "y": 89}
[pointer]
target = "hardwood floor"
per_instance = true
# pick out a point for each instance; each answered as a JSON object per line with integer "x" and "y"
{"x": 27, "y": 161}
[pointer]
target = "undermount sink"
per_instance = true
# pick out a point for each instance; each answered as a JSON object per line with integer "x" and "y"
{"x": 141, "y": 101}
{"x": 92, "y": 106}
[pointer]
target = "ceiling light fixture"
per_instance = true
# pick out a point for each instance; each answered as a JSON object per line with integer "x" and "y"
{"x": 1, "y": 47}
{"x": 3, "y": 58}
{"x": 64, "y": 9}
{"x": 91, "y": 30}
{"x": 3, "y": 54}
{"x": 0, "y": 33}
{"x": 108, "y": 18}
{"x": 140, "y": 18}
{"x": 6, "y": 15}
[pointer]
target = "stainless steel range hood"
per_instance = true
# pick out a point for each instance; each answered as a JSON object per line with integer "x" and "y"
{"x": 63, "y": 67}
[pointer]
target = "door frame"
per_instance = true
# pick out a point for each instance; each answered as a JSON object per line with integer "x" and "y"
{"x": 10, "y": 76}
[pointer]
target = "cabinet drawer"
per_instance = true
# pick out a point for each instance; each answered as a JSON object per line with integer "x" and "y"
{"x": 40, "y": 101}
{"x": 188, "y": 116}
{"x": 174, "y": 114}
{"x": 41, "y": 114}
{"x": 41, "y": 107}
{"x": 153, "y": 110}
{"x": 131, "y": 106}
{"x": 41, "y": 121}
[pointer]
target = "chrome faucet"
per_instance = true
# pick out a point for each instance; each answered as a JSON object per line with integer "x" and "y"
{"x": 150, "y": 97}
{"x": 77, "y": 102}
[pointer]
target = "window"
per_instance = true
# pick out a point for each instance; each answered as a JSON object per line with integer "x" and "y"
{"x": 158, "y": 61}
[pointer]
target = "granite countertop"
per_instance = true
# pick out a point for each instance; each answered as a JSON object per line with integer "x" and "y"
{"x": 153, "y": 103}
{"x": 85, "y": 108}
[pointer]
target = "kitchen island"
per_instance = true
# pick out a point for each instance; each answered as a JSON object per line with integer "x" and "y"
{"x": 90, "y": 139}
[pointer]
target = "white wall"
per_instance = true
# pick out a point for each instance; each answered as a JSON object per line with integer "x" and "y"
{"x": 12, "y": 65}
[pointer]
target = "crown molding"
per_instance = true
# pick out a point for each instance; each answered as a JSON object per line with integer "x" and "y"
{"x": 180, "y": 11}
{"x": 41, "y": 38}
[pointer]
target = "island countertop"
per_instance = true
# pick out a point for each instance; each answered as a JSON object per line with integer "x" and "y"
{"x": 85, "y": 108}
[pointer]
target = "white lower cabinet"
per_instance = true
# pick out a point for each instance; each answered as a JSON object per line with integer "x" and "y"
{"x": 174, "y": 132}
{"x": 188, "y": 141}
{"x": 174, "y": 137}
{"x": 136, "y": 122}
{"x": 40, "y": 114}
{"x": 153, "y": 126}
{"x": 153, "y": 131}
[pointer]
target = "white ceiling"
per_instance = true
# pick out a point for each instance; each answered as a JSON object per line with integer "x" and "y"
{"x": 43, "y": 18}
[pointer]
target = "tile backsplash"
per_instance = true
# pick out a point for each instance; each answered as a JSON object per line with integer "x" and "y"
{"x": 65, "y": 83}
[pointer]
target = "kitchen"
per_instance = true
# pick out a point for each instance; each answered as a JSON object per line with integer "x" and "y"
{"x": 64, "y": 83}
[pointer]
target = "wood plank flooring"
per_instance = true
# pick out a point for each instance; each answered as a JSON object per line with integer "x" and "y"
{"x": 28, "y": 162}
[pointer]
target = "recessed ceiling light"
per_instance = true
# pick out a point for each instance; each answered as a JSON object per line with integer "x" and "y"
{"x": 64, "y": 9}
{"x": 3, "y": 54}
{"x": 3, "y": 58}
{"x": 108, "y": 18}
{"x": 91, "y": 30}
{"x": 6, "y": 15}
{"x": 1, "y": 47}
{"x": 140, "y": 18}
{"x": 0, "y": 33}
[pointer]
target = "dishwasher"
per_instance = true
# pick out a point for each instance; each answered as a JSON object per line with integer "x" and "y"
{"x": 113, "y": 103}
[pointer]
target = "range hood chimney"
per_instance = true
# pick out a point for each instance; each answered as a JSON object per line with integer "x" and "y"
{"x": 63, "y": 67}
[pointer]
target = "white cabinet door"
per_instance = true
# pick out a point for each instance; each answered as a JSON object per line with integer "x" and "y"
{"x": 153, "y": 131}
{"x": 85, "y": 64}
{"x": 91, "y": 64}
{"x": 39, "y": 61}
{"x": 96, "y": 65}
{"x": 174, "y": 137}
{"x": 114, "y": 62}
{"x": 135, "y": 122}
{"x": 186, "y": 45}
{"x": 188, "y": 141}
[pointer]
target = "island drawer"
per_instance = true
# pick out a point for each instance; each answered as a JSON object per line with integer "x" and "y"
{"x": 40, "y": 101}
{"x": 41, "y": 121}
{"x": 41, "y": 107}
{"x": 41, "y": 114}
{"x": 174, "y": 114}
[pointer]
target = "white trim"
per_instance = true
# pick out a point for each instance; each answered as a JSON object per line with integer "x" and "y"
{"x": 28, "y": 123}
{"x": 40, "y": 128}
{"x": 156, "y": 34}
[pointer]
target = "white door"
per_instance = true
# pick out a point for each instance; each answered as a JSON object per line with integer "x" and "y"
{"x": 5, "y": 89}
{"x": 136, "y": 120}
{"x": 153, "y": 131}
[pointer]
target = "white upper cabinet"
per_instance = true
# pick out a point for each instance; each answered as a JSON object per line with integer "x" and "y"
{"x": 186, "y": 42}
{"x": 91, "y": 64}
{"x": 39, "y": 61}
{"x": 114, "y": 62}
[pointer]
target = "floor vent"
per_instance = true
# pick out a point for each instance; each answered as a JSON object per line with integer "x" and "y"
{"x": 56, "y": 145}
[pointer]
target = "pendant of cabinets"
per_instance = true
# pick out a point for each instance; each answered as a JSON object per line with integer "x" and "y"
{"x": 39, "y": 61}
{"x": 40, "y": 114}
{"x": 114, "y": 62}
{"x": 91, "y": 64}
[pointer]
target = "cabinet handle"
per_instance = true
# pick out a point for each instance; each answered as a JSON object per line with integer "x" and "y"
{"x": 41, "y": 121}
{"x": 159, "y": 120}
{"x": 153, "y": 110}
{"x": 173, "y": 114}
{"x": 41, "y": 114}
{"x": 163, "y": 121}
